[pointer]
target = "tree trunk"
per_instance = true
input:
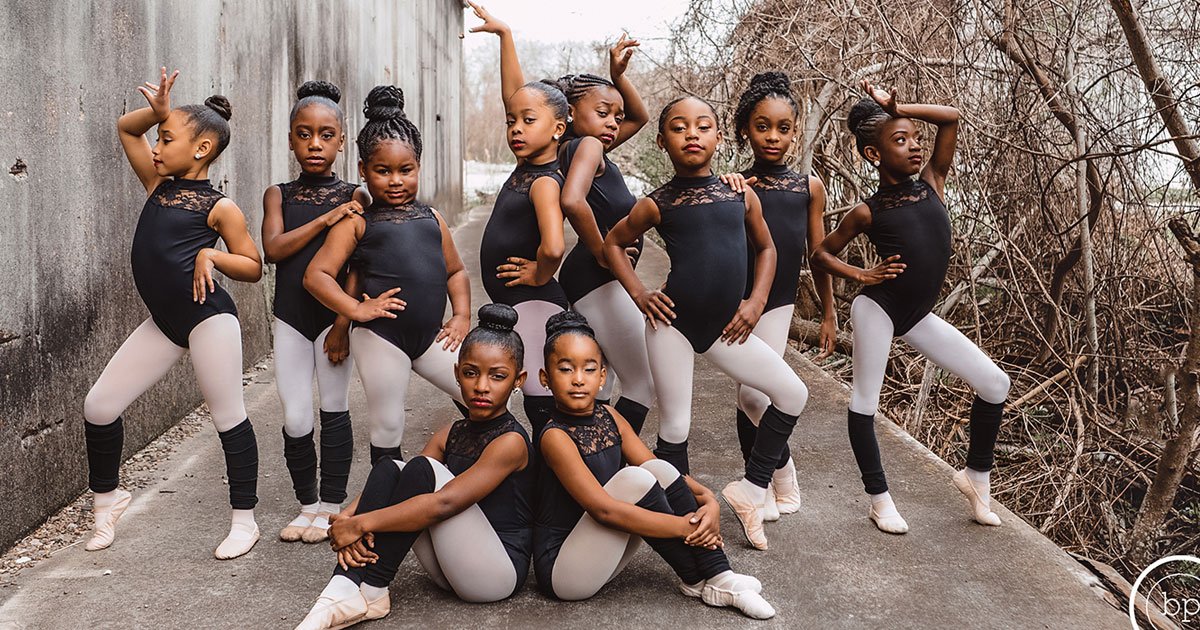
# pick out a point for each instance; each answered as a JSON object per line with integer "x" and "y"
{"x": 1160, "y": 498}
{"x": 1172, "y": 465}
{"x": 1159, "y": 88}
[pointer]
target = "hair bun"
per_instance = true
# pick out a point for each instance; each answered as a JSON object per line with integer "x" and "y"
{"x": 384, "y": 102}
{"x": 865, "y": 109}
{"x": 219, "y": 104}
{"x": 562, "y": 84}
{"x": 501, "y": 317}
{"x": 565, "y": 321}
{"x": 774, "y": 81}
{"x": 323, "y": 89}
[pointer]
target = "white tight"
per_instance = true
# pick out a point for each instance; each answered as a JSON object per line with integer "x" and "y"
{"x": 753, "y": 363}
{"x": 592, "y": 555}
{"x": 772, "y": 328}
{"x": 385, "y": 370}
{"x": 463, "y": 553}
{"x": 296, "y": 361}
{"x": 933, "y": 337}
{"x": 146, "y": 357}
{"x": 531, "y": 326}
{"x": 621, "y": 331}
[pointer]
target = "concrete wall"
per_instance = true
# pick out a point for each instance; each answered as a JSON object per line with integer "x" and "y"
{"x": 69, "y": 202}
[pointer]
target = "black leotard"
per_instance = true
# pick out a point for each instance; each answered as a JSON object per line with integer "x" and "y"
{"x": 509, "y": 508}
{"x": 172, "y": 229}
{"x": 909, "y": 219}
{"x": 402, "y": 247}
{"x": 703, "y": 224}
{"x": 610, "y": 201}
{"x": 599, "y": 442}
{"x": 304, "y": 200}
{"x": 512, "y": 230}
{"x": 784, "y": 196}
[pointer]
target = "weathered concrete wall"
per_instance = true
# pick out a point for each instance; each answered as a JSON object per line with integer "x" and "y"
{"x": 69, "y": 202}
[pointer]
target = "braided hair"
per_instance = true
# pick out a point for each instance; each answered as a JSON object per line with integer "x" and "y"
{"x": 384, "y": 109}
{"x": 211, "y": 117}
{"x": 317, "y": 93}
{"x": 865, "y": 121}
{"x": 764, "y": 85}
{"x": 575, "y": 87}
{"x": 496, "y": 322}
{"x": 662, "y": 116}
{"x": 567, "y": 323}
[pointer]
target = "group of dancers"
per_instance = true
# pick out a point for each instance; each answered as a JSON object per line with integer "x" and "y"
{"x": 363, "y": 275}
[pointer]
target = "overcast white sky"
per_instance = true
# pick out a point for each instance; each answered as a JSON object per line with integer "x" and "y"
{"x": 575, "y": 20}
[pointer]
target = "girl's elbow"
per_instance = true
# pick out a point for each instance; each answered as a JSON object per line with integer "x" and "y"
{"x": 310, "y": 279}
{"x": 554, "y": 253}
{"x": 444, "y": 509}
{"x": 604, "y": 516}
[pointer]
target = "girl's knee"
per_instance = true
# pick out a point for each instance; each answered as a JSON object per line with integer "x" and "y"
{"x": 630, "y": 484}
{"x": 994, "y": 388}
{"x": 98, "y": 410}
{"x": 753, "y": 402}
{"x": 664, "y": 472}
{"x": 794, "y": 399}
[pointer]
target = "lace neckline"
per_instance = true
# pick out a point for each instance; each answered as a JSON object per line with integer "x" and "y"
{"x": 571, "y": 420}
{"x": 538, "y": 168}
{"x": 317, "y": 180}
{"x": 770, "y": 169}
{"x": 196, "y": 184}
{"x": 681, "y": 181}
{"x": 483, "y": 426}
{"x": 900, "y": 185}
{"x": 379, "y": 206}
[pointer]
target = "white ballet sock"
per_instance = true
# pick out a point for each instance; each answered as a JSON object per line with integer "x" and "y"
{"x": 302, "y": 520}
{"x": 372, "y": 593}
{"x": 982, "y": 482}
{"x": 330, "y": 508}
{"x": 101, "y": 500}
{"x": 340, "y": 588}
{"x": 884, "y": 506}
{"x": 757, "y": 494}
{"x": 243, "y": 533}
{"x": 737, "y": 591}
{"x": 730, "y": 581}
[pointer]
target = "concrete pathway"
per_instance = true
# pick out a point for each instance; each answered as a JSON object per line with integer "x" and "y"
{"x": 828, "y": 567}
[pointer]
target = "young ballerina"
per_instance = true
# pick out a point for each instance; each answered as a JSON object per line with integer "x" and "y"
{"x": 398, "y": 246}
{"x": 173, "y": 260}
{"x": 906, "y": 221}
{"x": 593, "y": 511}
{"x": 523, "y": 239}
{"x": 793, "y": 206}
{"x": 700, "y": 310}
{"x": 309, "y": 338}
{"x": 604, "y": 114}
{"x": 464, "y": 506}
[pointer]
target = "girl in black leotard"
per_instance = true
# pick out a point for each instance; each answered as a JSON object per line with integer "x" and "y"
{"x": 906, "y": 221}
{"x": 706, "y": 227}
{"x": 309, "y": 338}
{"x": 402, "y": 254}
{"x": 522, "y": 243}
{"x": 464, "y": 506}
{"x": 593, "y": 510}
{"x": 173, "y": 260}
{"x": 793, "y": 205}
{"x": 604, "y": 114}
